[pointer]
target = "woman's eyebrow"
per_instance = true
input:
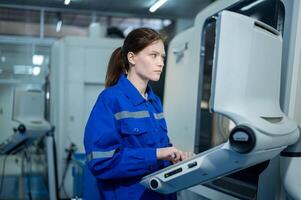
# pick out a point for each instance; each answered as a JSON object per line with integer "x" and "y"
{"x": 157, "y": 52}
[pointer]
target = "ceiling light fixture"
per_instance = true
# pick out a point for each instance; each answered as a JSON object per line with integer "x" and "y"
{"x": 67, "y": 2}
{"x": 128, "y": 30}
{"x": 36, "y": 70}
{"x": 59, "y": 22}
{"x": 251, "y": 5}
{"x": 59, "y": 25}
{"x": 3, "y": 59}
{"x": 37, "y": 59}
{"x": 157, "y": 5}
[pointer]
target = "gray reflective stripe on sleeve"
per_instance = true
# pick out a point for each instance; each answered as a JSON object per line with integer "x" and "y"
{"x": 159, "y": 115}
{"x": 127, "y": 114}
{"x": 100, "y": 154}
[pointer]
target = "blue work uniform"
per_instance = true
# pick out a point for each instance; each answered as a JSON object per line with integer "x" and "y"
{"x": 121, "y": 137}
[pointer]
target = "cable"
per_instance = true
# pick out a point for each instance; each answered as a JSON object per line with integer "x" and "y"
{"x": 28, "y": 174}
{"x": 2, "y": 174}
{"x": 70, "y": 151}
{"x": 55, "y": 161}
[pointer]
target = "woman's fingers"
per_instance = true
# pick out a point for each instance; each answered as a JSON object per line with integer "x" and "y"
{"x": 178, "y": 156}
{"x": 173, "y": 154}
{"x": 183, "y": 156}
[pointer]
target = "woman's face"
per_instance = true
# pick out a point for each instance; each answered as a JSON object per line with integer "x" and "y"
{"x": 148, "y": 63}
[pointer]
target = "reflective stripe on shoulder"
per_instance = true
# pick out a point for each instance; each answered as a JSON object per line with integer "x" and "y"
{"x": 127, "y": 114}
{"x": 100, "y": 154}
{"x": 159, "y": 115}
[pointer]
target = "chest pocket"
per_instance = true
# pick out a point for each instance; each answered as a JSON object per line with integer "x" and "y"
{"x": 133, "y": 126}
{"x": 137, "y": 133}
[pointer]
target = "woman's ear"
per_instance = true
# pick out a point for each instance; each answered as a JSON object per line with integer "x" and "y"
{"x": 131, "y": 58}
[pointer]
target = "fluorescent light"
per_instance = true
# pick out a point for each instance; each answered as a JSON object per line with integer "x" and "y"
{"x": 204, "y": 104}
{"x": 3, "y": 59}
{"x": 36, "y": 70}
{"x": 128, "y": 30}
{"x": 251, "y": 5}
{"x": 166, "y": 22}
{"x": 27, "y": 70}
{"x": 37, "y": 59}
{"x": 157, "y": 5}
{"x": 67, "y": 2}
{"x": 22, "y": 69}
{"x": 59, "y": 25}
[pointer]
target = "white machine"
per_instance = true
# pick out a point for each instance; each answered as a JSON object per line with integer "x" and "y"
{"x": 28, "y": 114}
{"x": 28, "y": 109}
{"x": 243, "y": 89}
{"x": 78, "y": 70}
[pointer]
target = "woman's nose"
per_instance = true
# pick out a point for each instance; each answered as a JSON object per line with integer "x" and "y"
{"x": 161, "y": 62}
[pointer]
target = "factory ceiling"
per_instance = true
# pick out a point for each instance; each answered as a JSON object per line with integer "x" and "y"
{"x": 172, "y": 9}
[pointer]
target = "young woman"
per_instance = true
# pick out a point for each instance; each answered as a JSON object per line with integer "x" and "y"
{"x": 126, "y": 134}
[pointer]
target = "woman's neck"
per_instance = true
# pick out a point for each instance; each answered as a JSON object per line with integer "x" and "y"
{"x": 138, "y": 82}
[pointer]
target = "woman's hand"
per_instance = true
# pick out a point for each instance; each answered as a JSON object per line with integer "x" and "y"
{"x": 172, "y": 154}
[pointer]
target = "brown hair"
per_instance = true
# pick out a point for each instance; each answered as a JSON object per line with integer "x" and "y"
{"x": 135, "y": 42}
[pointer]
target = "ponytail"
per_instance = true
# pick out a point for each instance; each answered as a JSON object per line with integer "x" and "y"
{"x": 115, "y": 68}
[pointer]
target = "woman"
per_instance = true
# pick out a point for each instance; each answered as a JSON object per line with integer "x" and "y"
{"x": 126, "y": 134}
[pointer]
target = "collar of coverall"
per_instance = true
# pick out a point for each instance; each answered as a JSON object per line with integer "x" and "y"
{"x": 131, "y": 91}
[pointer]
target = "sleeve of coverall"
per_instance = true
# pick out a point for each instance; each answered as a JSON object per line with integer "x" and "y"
{"x": 107, "y": 158}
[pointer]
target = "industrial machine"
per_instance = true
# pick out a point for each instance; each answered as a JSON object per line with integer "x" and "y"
{"x": 28, "y": 115}
{"x": 244, "y": 90}
{"x": 78, "y": 69}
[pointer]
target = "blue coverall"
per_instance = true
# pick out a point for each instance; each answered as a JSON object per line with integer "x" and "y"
{"x": 121, "y": 137}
